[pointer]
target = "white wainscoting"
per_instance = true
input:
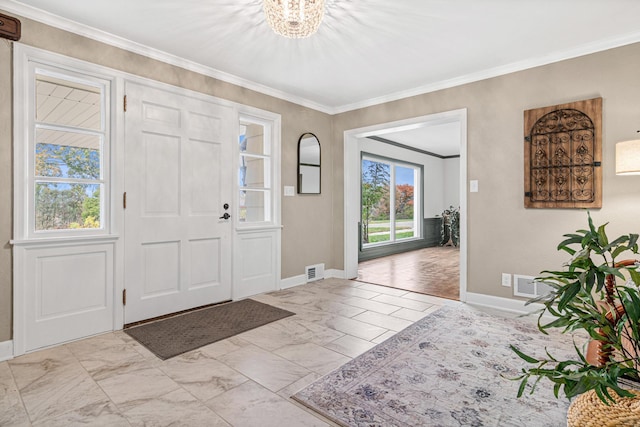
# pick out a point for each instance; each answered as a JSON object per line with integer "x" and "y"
{"x": 63, "y": 292}
{"x": 6, "y": 350}
{"x": 256, "y": 262}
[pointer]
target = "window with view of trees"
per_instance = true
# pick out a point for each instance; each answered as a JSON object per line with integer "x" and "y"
{"x": 389, "y": 216}
{"x": 68, "y": 154}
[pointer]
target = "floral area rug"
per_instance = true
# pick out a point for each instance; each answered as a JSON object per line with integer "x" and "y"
{"x": 448, "y": 369}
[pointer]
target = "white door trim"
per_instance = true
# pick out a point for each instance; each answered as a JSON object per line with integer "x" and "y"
{"x": 352, "y": 185}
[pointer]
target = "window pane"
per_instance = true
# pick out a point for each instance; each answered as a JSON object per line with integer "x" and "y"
{"x": 62, "y": 102}
{"x": 252, "y": 139}
{"x": 376, "y": 201}
{"x": 63, "y": 206}
{"x": 252, "y": 206}
{"x": 252, "y": 172}
{"x": 67, "y": 154}
{"x": 404, "y": 203}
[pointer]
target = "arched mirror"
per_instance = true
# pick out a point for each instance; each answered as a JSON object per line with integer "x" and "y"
{"x": 308, "y": 164}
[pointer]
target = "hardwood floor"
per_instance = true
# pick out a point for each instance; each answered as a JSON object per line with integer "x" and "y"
{"x": 432, "y": 271}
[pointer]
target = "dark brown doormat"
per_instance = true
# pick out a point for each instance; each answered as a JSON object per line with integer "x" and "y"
{"x": 185, "y": 332}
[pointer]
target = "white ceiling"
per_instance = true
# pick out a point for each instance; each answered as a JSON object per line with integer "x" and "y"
{"x": 442, "y": 139}
{"x": 366, "y": 51}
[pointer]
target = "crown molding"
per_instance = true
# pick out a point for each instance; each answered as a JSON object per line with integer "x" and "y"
{"x": 131, "y": 46}
{"x": 582, "y": 50}
{"x": 120, "y": 42}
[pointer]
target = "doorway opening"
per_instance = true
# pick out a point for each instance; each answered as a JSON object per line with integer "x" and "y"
{"x": 424, "y": 262}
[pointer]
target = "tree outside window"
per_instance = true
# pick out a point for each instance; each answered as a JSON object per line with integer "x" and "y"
{"x": 388, "y": 216}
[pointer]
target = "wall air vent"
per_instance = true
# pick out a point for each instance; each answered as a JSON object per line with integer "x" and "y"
{"x": 527, "y": 286}
{"x": 314, "y": 272}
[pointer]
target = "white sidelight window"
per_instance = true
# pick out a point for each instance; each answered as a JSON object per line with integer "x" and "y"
{"x": 255, "y": 172}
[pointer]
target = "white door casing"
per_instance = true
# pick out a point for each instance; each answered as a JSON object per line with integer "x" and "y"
{"x": 178, "y": 178}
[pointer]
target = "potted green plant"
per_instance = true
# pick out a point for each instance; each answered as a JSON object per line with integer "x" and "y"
{"x": 598, "y": 294}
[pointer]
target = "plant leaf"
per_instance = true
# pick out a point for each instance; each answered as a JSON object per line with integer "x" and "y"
{"x": 524, "y": 356}
{"x": 635, "y": 276}
{"x": 523, "y": 384}
{"x": 602, "y": 236}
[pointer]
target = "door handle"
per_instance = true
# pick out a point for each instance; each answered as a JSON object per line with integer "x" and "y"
{"x": 225, "y": 216}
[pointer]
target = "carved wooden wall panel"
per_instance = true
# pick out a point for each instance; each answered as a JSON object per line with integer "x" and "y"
{"x": 563, "y": 155}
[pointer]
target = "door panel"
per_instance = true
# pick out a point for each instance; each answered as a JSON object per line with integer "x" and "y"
{"x": 205, "y": 256}
{"x": 178, "y": 159}
{"x": 161, "y": 177}
{"x": 201, "y": 155}
{"x": 161, "y": 269}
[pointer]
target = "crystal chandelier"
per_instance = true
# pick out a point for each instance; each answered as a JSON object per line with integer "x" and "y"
{"x": 295, "y": 19}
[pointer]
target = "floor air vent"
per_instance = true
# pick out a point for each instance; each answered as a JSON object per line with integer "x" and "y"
{"x": 527, "y": 286}
{"x": 314, "y": 272}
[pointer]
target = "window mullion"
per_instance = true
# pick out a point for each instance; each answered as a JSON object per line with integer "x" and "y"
{"x": 62, "y": 180}
{"x": 417, "y": 212}
{"x": 67, "y": 128}
{"x": 257, "y": 156}
{"x": 392, "y": 203}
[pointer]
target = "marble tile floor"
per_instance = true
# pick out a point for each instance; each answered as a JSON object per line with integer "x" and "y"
{"x": 246, "y": 380}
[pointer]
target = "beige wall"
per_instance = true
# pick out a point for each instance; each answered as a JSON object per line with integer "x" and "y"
{"x": 306, "y": 237}
{"x": 503, "y": 236}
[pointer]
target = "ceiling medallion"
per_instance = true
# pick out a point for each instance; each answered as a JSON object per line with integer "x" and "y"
{"x": 295, "y": 19}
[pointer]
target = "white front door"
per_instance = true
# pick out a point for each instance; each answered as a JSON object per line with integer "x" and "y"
{"x": 178, "y": 180}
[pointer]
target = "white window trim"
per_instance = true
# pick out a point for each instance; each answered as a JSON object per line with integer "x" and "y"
{"x": 26, "y": 61}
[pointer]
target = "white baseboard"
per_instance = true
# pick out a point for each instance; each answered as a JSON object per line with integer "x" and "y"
{"x": 506, "y": 304}
{"x": 301, "y": 279}
{"x": 332, "y": 273}
{"x": 6, "y": 350}
{"x": 290, "y": 282}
